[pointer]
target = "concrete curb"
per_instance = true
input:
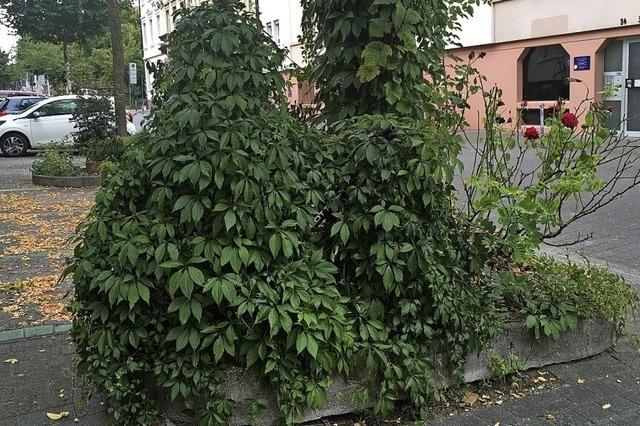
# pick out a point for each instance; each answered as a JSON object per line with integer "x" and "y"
{"x": 67, "y": 181}
{"x": 27, "y": 332}
{"x": 243, "y": 386}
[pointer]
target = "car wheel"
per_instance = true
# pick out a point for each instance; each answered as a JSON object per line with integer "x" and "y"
{"x": 14, "y": 145}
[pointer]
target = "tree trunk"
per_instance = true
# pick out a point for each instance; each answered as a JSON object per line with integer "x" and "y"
{"x": 118, "y": 66}
{"x": 67, "y": 66}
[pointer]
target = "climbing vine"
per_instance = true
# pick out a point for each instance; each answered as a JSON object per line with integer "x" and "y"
{"x": 236, "y": 235}
{"x": 372, "y": 56}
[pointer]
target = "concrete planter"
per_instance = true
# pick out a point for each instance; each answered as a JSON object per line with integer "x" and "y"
{"x": 67, "y": 181}
{"x": 241, "y": 386}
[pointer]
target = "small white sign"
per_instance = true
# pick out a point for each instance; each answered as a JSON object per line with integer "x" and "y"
{"x": 133, "y": 74}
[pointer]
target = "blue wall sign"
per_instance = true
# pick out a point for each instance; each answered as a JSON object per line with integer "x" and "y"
{"x": 582, "y": 63}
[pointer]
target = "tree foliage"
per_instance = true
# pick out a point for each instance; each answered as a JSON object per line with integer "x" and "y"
{"x": 89, "y": 46}
{"x": 5, "y": 75}
{"x": 370, "y": 57}
{"x": 54, "y": 21}
{"x": 91, "y": 62}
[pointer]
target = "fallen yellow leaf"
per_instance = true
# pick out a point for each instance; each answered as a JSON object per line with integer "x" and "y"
{"x": 541, "y": 379}
{"x": 606, "y": 406}
{"x": 57, "y": 416}
{"x": 10, "y": 361}
{"x": 581, "y": 381}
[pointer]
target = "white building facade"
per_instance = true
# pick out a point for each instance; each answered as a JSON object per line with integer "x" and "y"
{"x": 156, "y": 20}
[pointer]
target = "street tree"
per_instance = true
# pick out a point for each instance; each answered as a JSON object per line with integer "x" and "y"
{"x": 117, "y": 49}
{"x": 56, "y": 21}
{"x": 5, "y": 76}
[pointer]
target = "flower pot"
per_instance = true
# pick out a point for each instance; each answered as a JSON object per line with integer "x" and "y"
{"x": 93, "y": 167}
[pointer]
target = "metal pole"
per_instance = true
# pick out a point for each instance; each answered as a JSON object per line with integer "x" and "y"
{"x": 541, "y": 119}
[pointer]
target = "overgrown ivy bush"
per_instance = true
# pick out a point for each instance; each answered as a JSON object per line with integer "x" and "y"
{"x": 197, "y": 254}
{"x": 414, "y": 270}
{"x": 235, "y": 234}
{"x": 372, "y": 56}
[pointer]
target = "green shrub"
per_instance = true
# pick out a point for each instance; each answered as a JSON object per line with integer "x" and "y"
{"x": 55, "y": 161}
{"x": 551, "y": 296}
{"x": 372, "y": 56}
{"x": 106, "y": 149}
{"x": 198, "y": 249}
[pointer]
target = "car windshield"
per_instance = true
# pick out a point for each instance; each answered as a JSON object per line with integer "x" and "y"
{"x": 4, "y": 103}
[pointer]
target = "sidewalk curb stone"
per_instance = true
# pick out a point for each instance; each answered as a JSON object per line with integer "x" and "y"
{"x": 27, "y": 332}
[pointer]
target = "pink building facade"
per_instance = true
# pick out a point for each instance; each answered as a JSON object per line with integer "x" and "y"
{"x": 548, "y": 62}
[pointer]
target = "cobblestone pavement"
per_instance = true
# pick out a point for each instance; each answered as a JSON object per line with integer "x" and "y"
{"x": 35, "y": 223}
{"x": 42, "y": 380}
{"x": 609, "y": 395}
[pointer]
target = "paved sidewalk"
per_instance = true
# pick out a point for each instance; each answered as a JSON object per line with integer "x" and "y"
{"x": 42, "y": 380}
{"x": 610, "y": 380}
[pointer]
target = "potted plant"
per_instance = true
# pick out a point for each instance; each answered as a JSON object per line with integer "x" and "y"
{"x": 55, "y": 161}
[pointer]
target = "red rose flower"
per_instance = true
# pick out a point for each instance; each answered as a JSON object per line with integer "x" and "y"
{"x": 531, "y": 133}
{"x": 570, "y": 120}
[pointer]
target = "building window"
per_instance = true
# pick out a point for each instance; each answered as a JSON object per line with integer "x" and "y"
{"x": 158, "y": 24}
{"x": 144, "y": 34}
{"x": 276, "y": 31}
{"x": 168, "y": 19}
{"x": 269, "y": 29}
{"x": 545, "y": 72}
{"x": 151, "y": 40}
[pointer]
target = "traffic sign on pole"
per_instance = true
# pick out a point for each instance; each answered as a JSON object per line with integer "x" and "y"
{"x": 133, "y": 74}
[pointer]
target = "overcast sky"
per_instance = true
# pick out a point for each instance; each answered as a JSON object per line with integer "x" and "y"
{"x": 7, "y": 41}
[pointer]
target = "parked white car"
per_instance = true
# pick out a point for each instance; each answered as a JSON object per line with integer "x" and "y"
{"x": 49, "y": 120}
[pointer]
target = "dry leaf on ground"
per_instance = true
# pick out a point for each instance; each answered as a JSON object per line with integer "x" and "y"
{"x": 10, "y": 361}
{"x": 470, "y": 398}
{"x": 57, "y": 416}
